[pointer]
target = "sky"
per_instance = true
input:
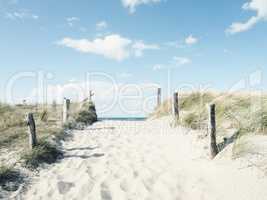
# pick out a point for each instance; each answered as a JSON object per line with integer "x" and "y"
{"x": 130, "y": 47}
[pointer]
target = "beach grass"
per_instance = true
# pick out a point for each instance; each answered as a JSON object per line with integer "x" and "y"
{"x": 44, "y": 152}
{"x": 48, "y": 118}
{"x": 235, "y": 112}
{"x": 10, "y": 178}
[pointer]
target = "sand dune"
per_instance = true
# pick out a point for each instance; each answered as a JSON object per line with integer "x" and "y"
{"x": 143, "y": 160}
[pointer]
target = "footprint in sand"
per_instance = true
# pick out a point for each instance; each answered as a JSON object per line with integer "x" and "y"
{"x": 149, "y": 183}
{"x": 105, "y": 192}
{"x": 125, "y": 185}
{"x": 64, "y": 187}
{"x": 135, "y": 174}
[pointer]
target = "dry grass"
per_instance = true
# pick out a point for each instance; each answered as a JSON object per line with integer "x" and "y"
{"x": 44, "y": 152}
{"x": 13, "y": 128}
{"x": 233, "y": 111}
{"x": 87, "y": 114}
{"x": 14, "y": 136}
{"x": 238, "y": 116}
{"x": 164, "y": 110}
{"x": 84, "y": 116}
{"x": 14, "y": 131}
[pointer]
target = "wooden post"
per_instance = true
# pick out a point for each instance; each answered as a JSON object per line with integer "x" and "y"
{"x": 175, "y": 105}
{"x": 212, "y": 131}
{"x": 91, "y": 94}
{"x": 66, "y": 107}
{"x": 24, "y": 102}
{"x": 32, "y": 131}
{"x": 159, "y": 97}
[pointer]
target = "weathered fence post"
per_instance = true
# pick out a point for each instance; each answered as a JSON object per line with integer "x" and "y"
{"x": 32, "y": 131}
{"x": 175, "y": 105}
{"x": 66, "y": 107}
{"x": 91, "y": 94}
{"x": 212, "y": 131}
{"x": 159, "y": 97}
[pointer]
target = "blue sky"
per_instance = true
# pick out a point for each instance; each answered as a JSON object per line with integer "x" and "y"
{"x": 208, "y": 42}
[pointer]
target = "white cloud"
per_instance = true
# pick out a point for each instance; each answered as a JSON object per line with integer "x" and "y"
{"x": 132, "y": 4}
{"x": 181, "y": 60}
{"x": 21, "y": 15}
{"x": 112, "y": 46}
{"x": 184, "y": 43}
{"x": 142, "y": 95}
{"x": 72, "y": 20}
{"x": 173, "y": 63}
{"x": 101, "y": 25}
{"x": 238, "y": 27}
{"x": 140, "y": 46}
{"x": 260, "y": 7}
{"x": 190, "y": 40}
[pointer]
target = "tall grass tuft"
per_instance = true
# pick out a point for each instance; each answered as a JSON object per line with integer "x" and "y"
{"x": 236, "y": 111}
{"x": 9, "y": 178}
{"x": 44, "y": 152}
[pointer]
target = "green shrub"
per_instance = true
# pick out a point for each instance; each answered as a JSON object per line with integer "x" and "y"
{"x": 263, "y": 117}
{"x": 6, "y": 173}
{"x": 70, "y": 124}
{"x": 44, "y": 152}
{"x": 59, "y": 135}
{"x": 9, "y": 175}
{"x": 259, "y": 122}
{"x": 193, "y": 120}
{"x": 190, "y": 119}
{"x": 87, "y": 115}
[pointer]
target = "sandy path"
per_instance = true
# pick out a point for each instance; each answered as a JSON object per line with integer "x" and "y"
{"x": 142, "y": 160}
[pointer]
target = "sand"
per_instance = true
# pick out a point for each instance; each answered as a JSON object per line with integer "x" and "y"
{"x": 123, "y": 160}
